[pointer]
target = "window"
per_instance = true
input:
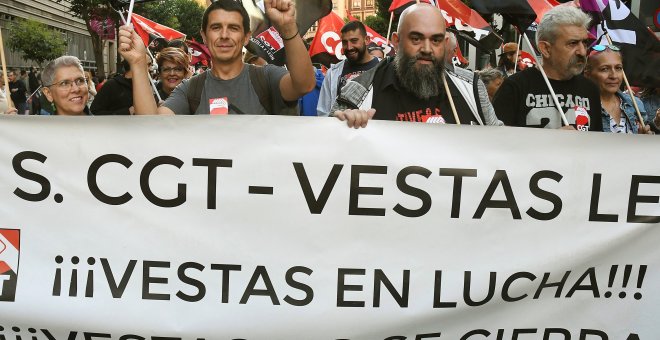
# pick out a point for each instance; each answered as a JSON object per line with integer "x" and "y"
{"x": 357, "y": 3}
{"x": 369, "y": 3}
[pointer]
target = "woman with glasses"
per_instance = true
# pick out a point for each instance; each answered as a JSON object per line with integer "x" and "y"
{"x": 605, "y": 68}
{"x": 173, "y": 68}
{"x": 65, "y": 86}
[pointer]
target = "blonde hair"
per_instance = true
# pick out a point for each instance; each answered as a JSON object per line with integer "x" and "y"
{"x": 173, "y": 55}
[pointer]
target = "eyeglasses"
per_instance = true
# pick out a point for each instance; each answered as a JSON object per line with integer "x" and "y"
{"x": 67, "y": 85}
{"x": 173, "y": 70}
{"x": 601, "y": 48}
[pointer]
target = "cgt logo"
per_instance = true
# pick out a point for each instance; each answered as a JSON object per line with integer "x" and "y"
{"x": 9, "y": 255}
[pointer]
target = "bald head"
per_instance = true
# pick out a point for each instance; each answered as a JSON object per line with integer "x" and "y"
{"x": 424, "y": 13}
{"x": 420, "y": 42}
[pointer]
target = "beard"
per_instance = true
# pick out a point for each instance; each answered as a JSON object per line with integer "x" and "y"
{"x": 359, "y": 55}
{"x": 423, "y": 81}
{"x": 576, "y": 64}
{"x": 508, "y": 63}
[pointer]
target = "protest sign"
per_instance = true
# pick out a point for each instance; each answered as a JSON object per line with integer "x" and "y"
{"x": 261, "y": 227}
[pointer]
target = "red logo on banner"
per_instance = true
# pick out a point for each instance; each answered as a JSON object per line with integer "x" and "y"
{"x": 9, "y": 255}
{"x": 581, "y": 118}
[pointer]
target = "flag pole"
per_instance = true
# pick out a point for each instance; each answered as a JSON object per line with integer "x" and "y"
{"x": 389, "y": 28}
{"x": 625, "y": 78}
{"x": 4, "y": 73}
{"x": 552, "y": 91}
{"x": 451, "y": 100}
{"x": 515, "y": 63}
{"x": 630, "y": 91}
{"x": 153, "y": 60}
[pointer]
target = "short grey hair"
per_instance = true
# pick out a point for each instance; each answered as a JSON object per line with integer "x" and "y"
{"x": 48, "y": 74}
{"x": 490, "y": 74}
{"x": 562, "y": 15}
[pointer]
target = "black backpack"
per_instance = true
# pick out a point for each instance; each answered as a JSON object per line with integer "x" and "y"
{"x": 257, "y": 78}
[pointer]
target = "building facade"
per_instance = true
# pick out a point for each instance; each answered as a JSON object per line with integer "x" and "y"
{"x": 55, "y": 15}
{"x": 360, "y": 9}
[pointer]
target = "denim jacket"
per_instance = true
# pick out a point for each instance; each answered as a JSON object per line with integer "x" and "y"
{"x": 628, "y": 110}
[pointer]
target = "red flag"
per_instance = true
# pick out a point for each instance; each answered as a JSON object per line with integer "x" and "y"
{"x": 326, "y": 46}
{"x": 374, "y": 36}
{"x": 399, "y": 6}
{"x": 150, "y": 31}
{"x": 458, "y": 59}
{"x": 525, "y": 60}
{"x": 198, "y": 52}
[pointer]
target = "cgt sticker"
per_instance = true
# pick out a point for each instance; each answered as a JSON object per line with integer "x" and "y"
{"x": 9, "y": 256}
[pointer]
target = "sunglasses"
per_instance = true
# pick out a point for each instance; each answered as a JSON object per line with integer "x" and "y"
{"x": 601, "y": 48}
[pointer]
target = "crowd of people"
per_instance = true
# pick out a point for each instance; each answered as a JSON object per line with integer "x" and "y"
{"x": 418, "y": 84}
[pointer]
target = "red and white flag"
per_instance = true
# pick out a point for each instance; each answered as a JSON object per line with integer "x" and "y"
{"x": 326, "y": 46}
{"x": 152, "y": 32}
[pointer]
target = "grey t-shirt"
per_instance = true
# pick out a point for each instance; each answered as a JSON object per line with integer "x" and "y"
{"x": 239, "y": 93}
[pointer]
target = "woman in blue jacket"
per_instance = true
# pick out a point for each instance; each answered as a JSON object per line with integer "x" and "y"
{"x": 605, "y": 68}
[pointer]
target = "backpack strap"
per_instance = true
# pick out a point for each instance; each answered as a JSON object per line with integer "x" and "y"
{"x": 477, "y": 98}
{"x": 194, "y": 94}
{"x": 260, "y": 85}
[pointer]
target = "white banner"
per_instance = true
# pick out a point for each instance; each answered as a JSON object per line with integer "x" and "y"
{"x": 258, "y": 227}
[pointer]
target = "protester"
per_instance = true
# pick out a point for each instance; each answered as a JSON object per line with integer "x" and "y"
{"x": 91, "y": 86}
{"x": 116, "y": 96}
{"x": 173, "y": 68}
{"x": 605, "y": 68}
{"x": 410, "y": 86}
{"x": 354, "y": 41}
{"x": 493, "y": 79}
{"x": 4, "y": 105}
{"x": 181, "y": 44}
{"x": 376, "y": 51}
{"x": 309, "y": 102}
{"x": 26, "y": 81}
{"x": 650, "y": 96}
{"x": 230, "y": 86}
{"x": 251, "y": 58}
{"x": 65, "y": 86}
{"x": 524, "y": 98}
{"x": 507, "y": 63}
{"x": 18, "y": 92}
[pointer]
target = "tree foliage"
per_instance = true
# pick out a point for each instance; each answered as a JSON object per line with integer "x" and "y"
{"x": 182, "y": 15}
{"x": 86, "y": 10}
{"x": 35, "y": 41}
{"x": 377, "y": 24}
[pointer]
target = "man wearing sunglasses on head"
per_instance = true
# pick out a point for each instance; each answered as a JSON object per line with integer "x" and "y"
{"x": 525, "y": 100}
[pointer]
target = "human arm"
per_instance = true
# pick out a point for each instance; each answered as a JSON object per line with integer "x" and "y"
{"x": 300, "y": 79}
{"x": 355, "y": 118}
{"x": 486, "y": 106}
{"x": 133, "y": 50}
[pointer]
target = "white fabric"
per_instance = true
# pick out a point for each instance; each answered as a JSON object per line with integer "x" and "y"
{"x": 280, "y": 233}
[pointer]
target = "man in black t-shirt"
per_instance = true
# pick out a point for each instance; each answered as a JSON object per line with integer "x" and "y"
{"x": 524, "y": 98}
{"x": 411, "y": 86}
{"x": 354, "y": 41}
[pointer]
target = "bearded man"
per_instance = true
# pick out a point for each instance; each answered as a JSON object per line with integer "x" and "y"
{"x": 354, "y": 41}
{"x": 525, "y": 100}
{"x": 411, "y": 86}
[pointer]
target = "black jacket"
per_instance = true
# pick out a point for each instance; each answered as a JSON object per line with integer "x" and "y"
{"x": 114, "y": 98}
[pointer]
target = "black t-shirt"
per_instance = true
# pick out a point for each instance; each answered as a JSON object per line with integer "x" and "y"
{"x": 393, "y": 102}
{"x": 524, "y": 100}
{"x": 350, "y": 71}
